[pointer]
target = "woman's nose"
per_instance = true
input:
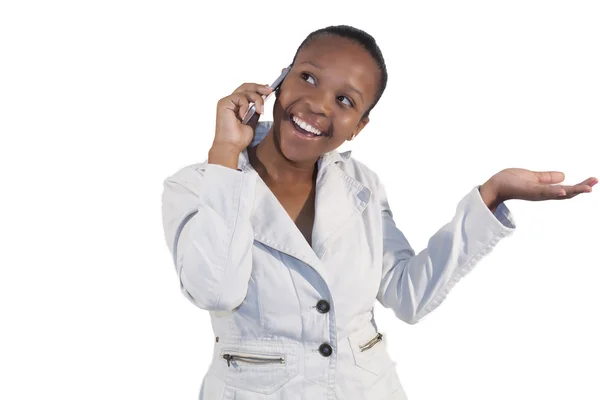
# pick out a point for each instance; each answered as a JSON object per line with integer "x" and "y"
{"x": 319, "y": 102}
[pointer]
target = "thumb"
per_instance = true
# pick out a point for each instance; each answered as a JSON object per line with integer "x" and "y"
{"x": 549, "y": 176}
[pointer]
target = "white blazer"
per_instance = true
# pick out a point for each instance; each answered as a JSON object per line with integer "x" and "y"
{"x": 293, "y": 321}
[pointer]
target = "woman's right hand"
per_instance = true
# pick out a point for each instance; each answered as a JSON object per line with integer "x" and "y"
{"x": 230, "y": 132}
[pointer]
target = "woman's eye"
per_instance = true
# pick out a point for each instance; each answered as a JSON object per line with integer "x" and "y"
{"x": 343, "y": 99}
{"x": 348, "y": 102}
{"x": 306, "y": 77}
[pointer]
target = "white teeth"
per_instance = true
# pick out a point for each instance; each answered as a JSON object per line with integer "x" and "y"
{"x": 306, "y": 126}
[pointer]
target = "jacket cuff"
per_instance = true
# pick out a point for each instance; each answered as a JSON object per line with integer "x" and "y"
{"x": 502, "y": 221}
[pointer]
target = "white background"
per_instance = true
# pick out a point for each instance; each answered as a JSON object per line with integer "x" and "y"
{"x": 100, "y": 101}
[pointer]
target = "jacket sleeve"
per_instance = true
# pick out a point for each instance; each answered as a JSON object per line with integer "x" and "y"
{"x": 412, "y": 284}
{"x": 206, "y": 219}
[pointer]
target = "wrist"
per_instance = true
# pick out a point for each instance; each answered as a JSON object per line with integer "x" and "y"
{"x": 224, "y": 154}
{"x": 489, "y": 195}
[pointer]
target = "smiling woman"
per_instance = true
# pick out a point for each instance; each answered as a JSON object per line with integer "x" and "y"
{"x": 288, "y": 243}
{"x": 338, "y": 75}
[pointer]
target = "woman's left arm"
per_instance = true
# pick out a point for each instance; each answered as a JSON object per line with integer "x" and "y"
{"x": 412, "y": 284}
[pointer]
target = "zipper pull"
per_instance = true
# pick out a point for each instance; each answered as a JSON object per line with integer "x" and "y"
{"x": 228, "y": 357}
{"x": 371, "y": 342}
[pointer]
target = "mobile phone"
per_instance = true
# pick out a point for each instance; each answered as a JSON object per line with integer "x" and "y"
{"x": 275, "y": 85}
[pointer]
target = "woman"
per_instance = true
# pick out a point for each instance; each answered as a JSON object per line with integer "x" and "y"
{"x": 288, "y": 243}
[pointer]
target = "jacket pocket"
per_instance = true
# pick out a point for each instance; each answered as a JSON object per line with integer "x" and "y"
{"x": 259, "y": 367}
{"x": 370, "y": 350}
{"x": 252, "y": 358}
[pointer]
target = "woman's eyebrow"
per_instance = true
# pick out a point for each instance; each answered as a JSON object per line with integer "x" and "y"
{"x": 311, "y": 63}
{"x": 353, "y": 89}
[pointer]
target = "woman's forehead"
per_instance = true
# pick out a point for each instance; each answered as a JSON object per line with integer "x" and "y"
{"x": 329, "y": 48}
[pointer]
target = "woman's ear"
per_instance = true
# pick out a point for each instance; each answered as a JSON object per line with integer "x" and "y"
{"x": 363, "y": 122}
{"x": 279, "y": 87}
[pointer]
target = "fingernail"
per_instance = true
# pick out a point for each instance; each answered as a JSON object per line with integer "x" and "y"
{"x": 562, "y": 193}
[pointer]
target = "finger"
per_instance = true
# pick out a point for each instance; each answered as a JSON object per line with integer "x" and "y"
{"x": 257, "y": 99}
{"x": 554, "y": 191}
{"x": 254, "y": 87}
{"x": 539, "y": 192}
{"x": 583, "y": 187}
{"x": 549, "y": 176}
{"x": 577, "y": 189}
{"x": 567, "y": 196}
{"x": 591, "y": 181}
{"x": 572, "y": 191}
{"x": 238, "y": 103}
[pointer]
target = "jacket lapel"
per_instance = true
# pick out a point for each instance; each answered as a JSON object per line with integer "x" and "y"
{"x": 339, "y": 198}
{"x": 273, "y": 227}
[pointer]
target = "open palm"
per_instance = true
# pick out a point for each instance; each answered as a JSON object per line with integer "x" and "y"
{"x": 519, "y": 183}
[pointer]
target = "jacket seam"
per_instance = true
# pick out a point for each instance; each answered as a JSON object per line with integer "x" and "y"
{"x": 232, "y": 233}
{"x": 458, "y": 274}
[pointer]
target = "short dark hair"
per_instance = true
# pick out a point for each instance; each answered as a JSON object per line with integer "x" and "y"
{"x": 363, "y": 39}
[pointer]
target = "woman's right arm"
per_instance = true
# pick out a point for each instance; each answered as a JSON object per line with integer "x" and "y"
{"x": 206, "y": 219}
{"x": 206, "y": 212}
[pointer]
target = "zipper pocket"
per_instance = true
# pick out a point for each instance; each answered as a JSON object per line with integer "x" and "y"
{"x": 371, "y": 342}
{"x": 253, "y": 359}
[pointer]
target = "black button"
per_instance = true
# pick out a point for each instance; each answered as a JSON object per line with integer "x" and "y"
{"x": 325, "y": 350}
{"x": 323, "y": 306}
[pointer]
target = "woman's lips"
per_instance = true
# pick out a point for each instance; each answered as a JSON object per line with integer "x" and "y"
{"x": 298, "y": 131}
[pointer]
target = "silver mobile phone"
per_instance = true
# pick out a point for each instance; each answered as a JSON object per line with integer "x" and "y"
{"x": 275, "y": 85}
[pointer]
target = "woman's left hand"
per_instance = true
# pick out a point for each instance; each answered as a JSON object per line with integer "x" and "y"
{"x": 519, "y": 183}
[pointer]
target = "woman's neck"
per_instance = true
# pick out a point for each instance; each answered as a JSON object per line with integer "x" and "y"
{"x": 272, "y": 166}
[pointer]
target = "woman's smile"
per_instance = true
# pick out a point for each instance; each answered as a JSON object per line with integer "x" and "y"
{"x": 306, "y": 131}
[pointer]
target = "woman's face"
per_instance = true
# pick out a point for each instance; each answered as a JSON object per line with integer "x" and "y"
{"x": 332, "y": 83}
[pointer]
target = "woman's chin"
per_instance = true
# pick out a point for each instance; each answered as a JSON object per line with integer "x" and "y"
{"x": 292, "y": 150}
{"x": 297, "y": 147}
